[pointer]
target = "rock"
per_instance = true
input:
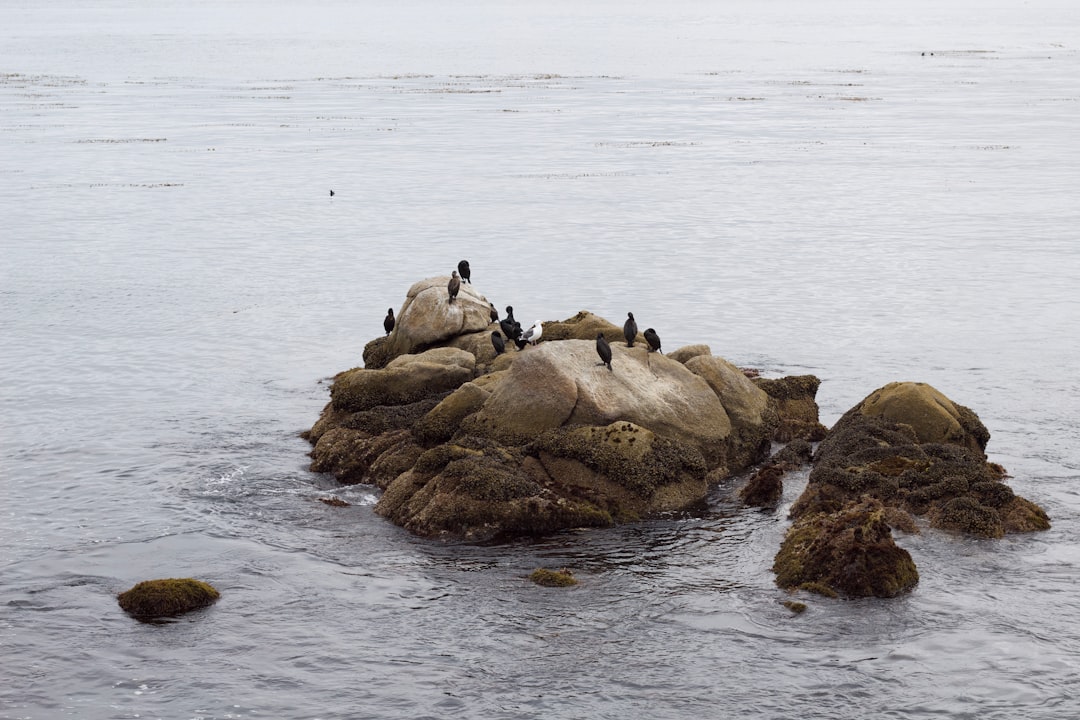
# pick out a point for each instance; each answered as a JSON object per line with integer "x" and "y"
{"x": 170, "y": 597}
{"x": 553, "y": 578}
{"x": 850, "y": 552}
{"x": 688, "y": 352}
{"x": 753, "y": 421}
{"x": 765, "y": 488}
{"x": 404, "y": 380}
{"x": 583, "y": 326}
{"x": 561, "y": 383}
{"x": 933, "y": 417}
{"x": 428, "y": 317}
{"x": 796, "y": 406}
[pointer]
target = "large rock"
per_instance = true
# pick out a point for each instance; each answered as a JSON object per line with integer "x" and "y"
{"x": 404, "y": 380}
{"x": 933, "y": 417}
{"x": 562, "y": 383}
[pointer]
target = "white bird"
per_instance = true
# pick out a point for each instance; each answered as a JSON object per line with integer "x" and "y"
{"x": 532, "y": 335}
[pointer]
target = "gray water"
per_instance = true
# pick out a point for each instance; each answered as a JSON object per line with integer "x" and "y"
{"x": 865, "y": 192}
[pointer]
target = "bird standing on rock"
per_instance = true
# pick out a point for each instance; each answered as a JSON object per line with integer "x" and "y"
{"x": 510, "y": 314}
{"x": 654, "y": 341}
{"x": 629, "y": 329}
{"x": 388, "y": 321}
{"x": 454, "y": 285}
{"x": 498, "y": 342}
{"x": 532, "y": 335}
{"x": 603, "y": 349}
{"x": 465, "y": 271}
{"x": 494, "y": 313}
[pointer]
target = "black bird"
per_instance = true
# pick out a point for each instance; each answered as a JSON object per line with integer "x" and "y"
{"x": 494, "y": 313}
{"x": 465, "y": 272}
{"x": 516, "y": 332}
{"x": 507, "y": 328}
{"x": 629, "y": 329}
{"x": 454, "y": 285}
{"x": 331, "y": 193}
{"x": 520, "y": 341}
{"x": 498, "y": 342}
{"x": 510, "y": 314}
{"x": 603, "y": 350}
{"x": 654, "y": 341}
{"x": 388, "y": 321}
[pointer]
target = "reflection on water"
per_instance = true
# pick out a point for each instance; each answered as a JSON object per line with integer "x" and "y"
{"x": 866, "y": 194}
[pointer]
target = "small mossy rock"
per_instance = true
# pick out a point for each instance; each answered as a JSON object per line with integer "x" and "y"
{"x": 553, "y": 578}
{"x": 850, "y": 552}
{"x": 933, "y": 417}
{"x": 765, "y": 487}
{"x": 688, "y": 352}
{"x": 166, "y": 598}
{"x": 362, "y": 389}
{"x": 349, "y": 454}
{"x": 796, "y": 405}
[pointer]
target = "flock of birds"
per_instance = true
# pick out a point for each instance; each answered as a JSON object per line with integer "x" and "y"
{"x": 512, "y": 330}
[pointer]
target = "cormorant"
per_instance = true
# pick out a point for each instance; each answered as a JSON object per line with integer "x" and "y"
{"x": 532, "y": 335}
{"x": 454, "y": 285}
{"x": 498, "y": 342}
{"x": 603, "y": 349}
{"x": 629, "y": 329}
{"x": 654, "y": 341}
{"x": 465, "y": 272}
{"x": 510, "y": 314}
{"x": 494, "y": 313}
{"x": 388, "y": 321}
{"x": 507, "y": 328}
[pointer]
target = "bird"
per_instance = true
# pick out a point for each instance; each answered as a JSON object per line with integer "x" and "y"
{"x": 507, "y": 327}
{"x": 603, "y": 349}
{"x": 532, "y": 335}
{"x": 520, "y": 342}
{"x": 629, "y": 329}
{"x": 331, "y": 193}
{"x": 454, "y": 285}
{"x": 654, "y": 341}
{"x": 510, "y": 314}
{"x": 498, "y": 342}
{"x": 388, "y": 321}
{"x": 494, "y": 313}
{"x": 465, "y": 271}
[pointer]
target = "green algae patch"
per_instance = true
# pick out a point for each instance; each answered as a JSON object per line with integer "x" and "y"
{"x": 166, "y": 598}
{"x": 795, "y": 606}
{"x": 553, "y": 578}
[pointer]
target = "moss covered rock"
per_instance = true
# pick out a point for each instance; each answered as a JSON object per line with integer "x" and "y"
{"x": 166, "y": 598}
{"x": 849, "y": 552}
{"x": 795, "y": 398}
{"x": 553, "y": 578}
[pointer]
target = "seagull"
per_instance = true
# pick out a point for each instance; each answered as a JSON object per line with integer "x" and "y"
{"x": 654, "y": 341}
{"x": 629, "y": 329}
{"x": 454, "y": 285}
{"x": 388, "y": 321}
{"x": 532, "y": 335}
{"x": 465, "y": 271}
{"x": 498, "y": 342}
{"x": 603, "y": 349}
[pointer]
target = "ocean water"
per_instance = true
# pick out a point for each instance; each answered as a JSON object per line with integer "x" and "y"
{"x": 867, "y": 193}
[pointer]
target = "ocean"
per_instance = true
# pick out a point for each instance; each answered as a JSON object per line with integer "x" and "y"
{"x": 864, "y": 192}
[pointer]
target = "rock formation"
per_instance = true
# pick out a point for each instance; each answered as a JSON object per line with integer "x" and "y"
{"x": 467, "y": 444}
{"x": 906, "y": 450}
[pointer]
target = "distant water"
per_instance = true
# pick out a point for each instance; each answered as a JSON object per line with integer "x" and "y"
{"x": 867, "y": 192}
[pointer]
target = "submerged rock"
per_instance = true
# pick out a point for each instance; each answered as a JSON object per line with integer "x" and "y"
{"x": 170, "y": 597}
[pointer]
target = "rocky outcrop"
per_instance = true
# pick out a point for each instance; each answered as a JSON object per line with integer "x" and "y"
{"x": 469, "y": 445}
{"x": 153, "y": 599}
{"x": 905, "y": 451}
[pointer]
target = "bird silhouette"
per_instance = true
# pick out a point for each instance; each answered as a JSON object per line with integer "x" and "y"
{"x": 388, "y": 321}
{"x": 654, "y": 341}
{"x": 498, "y": 342}
{"x": 465, "y": 271}
{"x": 603, "y": 349}
{"x": 454, "y": 285}
{"x": 629, "y": 329}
